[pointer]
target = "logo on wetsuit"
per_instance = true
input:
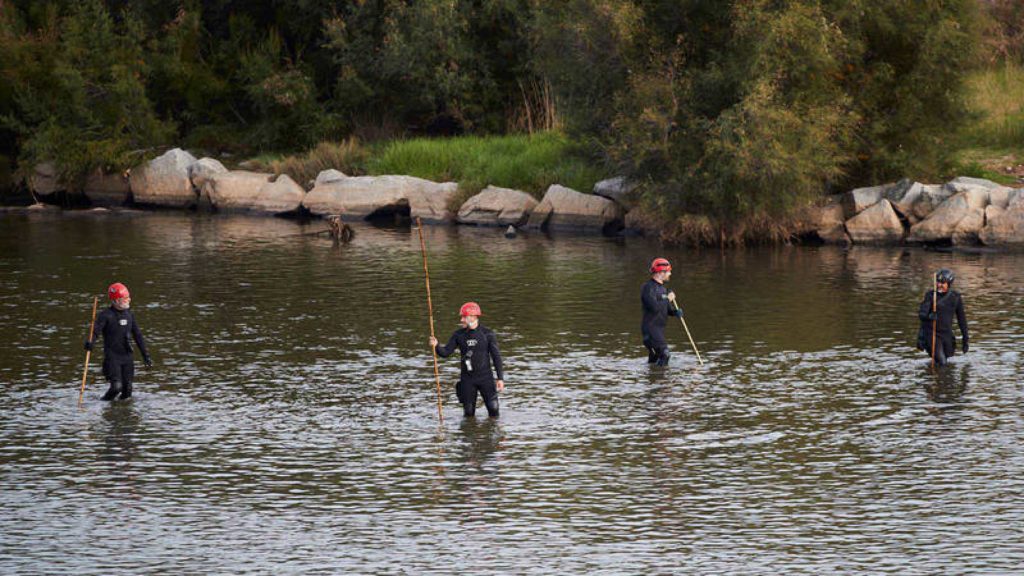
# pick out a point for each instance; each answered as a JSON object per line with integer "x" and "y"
{"x": 123, "y": 322}
{"x": 470, "y": 343}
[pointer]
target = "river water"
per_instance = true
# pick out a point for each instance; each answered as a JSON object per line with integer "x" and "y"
{"x": 290, "y": 425}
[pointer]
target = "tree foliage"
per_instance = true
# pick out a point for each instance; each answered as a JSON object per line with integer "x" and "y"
{"x": 727, "y": 108}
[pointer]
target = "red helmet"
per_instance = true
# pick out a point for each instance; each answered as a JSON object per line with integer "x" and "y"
{"x": 660, "y": 265}
{"x": 470, "y": 309}
{"x": 116, "y": 291}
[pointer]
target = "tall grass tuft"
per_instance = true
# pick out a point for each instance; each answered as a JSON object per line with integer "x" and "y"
{"x": 347, "y": 156}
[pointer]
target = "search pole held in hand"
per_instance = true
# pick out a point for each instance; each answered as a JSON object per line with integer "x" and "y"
{"x": 935, "y": 316}
{"x": 430, "y": 312}
{"x": 92, "y": 326}
{"x": 695, "y": 351}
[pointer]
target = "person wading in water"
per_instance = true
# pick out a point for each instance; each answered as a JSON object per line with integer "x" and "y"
{"x": 942, "y": 305}
{"x": 658, "y": 304}
{"x": 478, "y": 348}
{"x": 116, "y": 324}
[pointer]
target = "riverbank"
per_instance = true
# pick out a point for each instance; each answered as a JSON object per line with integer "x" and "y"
{"x": 964, "y": 211}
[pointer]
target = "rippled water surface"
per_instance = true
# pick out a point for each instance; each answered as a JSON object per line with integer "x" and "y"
{"x": 290, "y": 426}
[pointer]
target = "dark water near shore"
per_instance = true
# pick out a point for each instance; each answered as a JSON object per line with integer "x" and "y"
{"x": 290, "y": 426}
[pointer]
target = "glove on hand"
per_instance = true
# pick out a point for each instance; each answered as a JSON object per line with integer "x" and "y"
{"x": 965, "y": 346}
{"x": 147, "y": 361}
{"x": 88, "y": 346}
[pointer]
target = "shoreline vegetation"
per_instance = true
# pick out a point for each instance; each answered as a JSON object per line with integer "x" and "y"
{"x": 741, "y": 123}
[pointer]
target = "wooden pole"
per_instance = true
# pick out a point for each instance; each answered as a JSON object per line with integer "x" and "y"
{"x": 935, "y": 315}
{"x": 85, "y": 371}
{"x": 430, "y": 313}
{"x": 695, "y": 351}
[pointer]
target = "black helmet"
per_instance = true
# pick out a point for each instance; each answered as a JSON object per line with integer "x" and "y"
{"x": 945, "y": 275}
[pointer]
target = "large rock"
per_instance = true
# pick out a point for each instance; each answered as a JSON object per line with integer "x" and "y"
{"x": 253, "y": 191}
{"x": 829, "y": 223}
{"x": 878, "y": 224}
{"x": 942, "y": 223}
{"x": 1002, "y": 196}
{"x": 617, "y": 189}
{"x": 165, "y": 180}
{"x": 859, "y": 199}
{"x": 567, "y": 209}
{"x": 967, "y": 230}
{"x": 365, "y": 196}
{"x": 1005, "y": 227}
{"x": 328, "y": 176}
{"x": 106, "y": 189}
{"x": 495, "y": 206}
{"x": 203, "y": 169}
{"x": 925, "y": 201}
{"x": 904, "y": 194}
{"x": 44, "y": 179}
{"x": 964, "y": 183}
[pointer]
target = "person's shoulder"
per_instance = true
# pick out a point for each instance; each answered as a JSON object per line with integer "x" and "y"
{"x": 486, "y": 330}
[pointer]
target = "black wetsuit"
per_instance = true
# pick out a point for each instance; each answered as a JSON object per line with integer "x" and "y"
{"x": 116, "y": 326}
{"x": 948, "y": 304}
{"x": 657, "y": 309}
{"x": 478, "y": 348}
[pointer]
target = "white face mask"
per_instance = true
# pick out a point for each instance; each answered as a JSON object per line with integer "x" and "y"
{"x": 469, "y": 321}
{"x": 122, "y": 303}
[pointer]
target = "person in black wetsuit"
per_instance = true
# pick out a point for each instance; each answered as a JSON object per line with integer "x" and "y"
{"x": 948, "y": 303}
{"x": 478, "y": 348}
{"x": 657, "y": 301}
{"x": 116, "y": 324}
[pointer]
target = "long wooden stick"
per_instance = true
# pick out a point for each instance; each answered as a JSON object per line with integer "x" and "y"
{"x": 430, "y": 312}
{"x": 695, "y": 351}
{"x": 92, "y": 325}
{"x": 935, "y": 319}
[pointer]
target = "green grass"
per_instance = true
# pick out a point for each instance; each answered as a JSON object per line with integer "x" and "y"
{"x": 995, "y": 142}
{"x": 997, "y": 96}
{"x": 523, "y": 162}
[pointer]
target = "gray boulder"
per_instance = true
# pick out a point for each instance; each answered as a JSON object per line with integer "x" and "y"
{"x": 859, "y": 199}
{"x": 617, "y": 189}
{"x": 967, "y": 230}
{"x": 878, "y": 224}
{"x": 1004, "y": 227}
{"x": 165, "y": 180}
{"x": 1002, "y": 196}
{"x": 942, "y": 223}
{"x": 44, "y": 180}
{"x": 329, "y": 175}
{"x": 829, "y": 223}
{"x": 905, "y": 193}
{"x": 964, "y": 183}
{"x": 252, "y": 191}
{"x": 106, "y": 189}
{"x": 363, "y": 196}
{"x": 495, "y": 206}
{"x": 201, "y": 171}
{"x": 566, "y": 209}
{"x": 926, "y": 200}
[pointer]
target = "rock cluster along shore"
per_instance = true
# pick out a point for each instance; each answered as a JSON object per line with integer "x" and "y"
{"x": 963, "y": 211}
{"x": 178, "y": 180}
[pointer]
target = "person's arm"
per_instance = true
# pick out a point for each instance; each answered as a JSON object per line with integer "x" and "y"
{"x": 650, "y": 302}
{"x": 140, "y": 342}
{"x": 492, "y": 349}
{"x": 101, "y": 323}
{"x": 961, "y": 320}
{"x": 447, "y": 350}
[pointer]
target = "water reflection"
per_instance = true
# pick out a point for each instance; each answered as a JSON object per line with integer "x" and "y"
{"x": 948, "y": 384}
